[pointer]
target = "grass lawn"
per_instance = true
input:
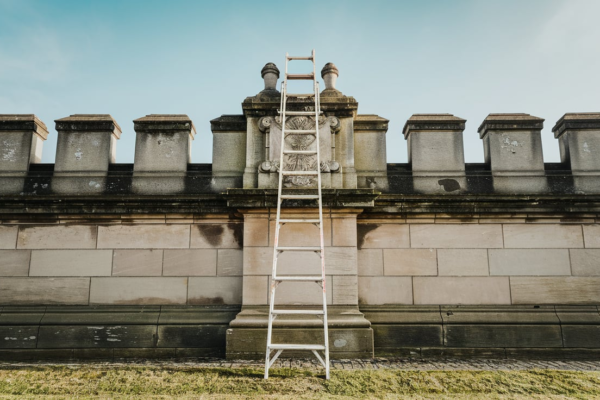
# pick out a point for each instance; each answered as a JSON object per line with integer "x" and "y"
{"x": 149, "y": 382}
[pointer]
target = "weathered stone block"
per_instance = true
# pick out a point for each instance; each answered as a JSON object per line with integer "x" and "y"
{"x": 101, "y": 315}
{"x": 255, "y": 290}
{"x": 529, "y": 262}
{"x": 71, "y": 263}
{"x": 37, "y": 291}
{"x": 343, "y": 343}
{"x": 18, "y": 337}
{"x": 14, "y": 262}
{"x": 229, "y": 151}
{"x": 137, "y": 263}
{"x": 369, "y": 151}
{"x": 455, "y": 236}
{"x": 581, "y": 336}
{"x": 8, "y": 236}
{"x": 163, "y": 143}
{"x": 579, "y": 137}
{"x": 513, "y": 144}
{"x": 258, "y": 260}
{"x": 399, "y": 336}
{"x": 344, "y": 231}
{"x": 370, "y": 262}
{"x": 311, "y": 293}
{"x": 86, "y": 142}
{"x": 202, "y": 262}
{"x": 555, "y": 290}
{"x": 412, "y": 262}
{"x": 463, "y": 262}
{"x": 215, "y": 290}
{"x": 592, "y": 236}
{"x": 301, "y": 234}
{"x": 435, "y": 144}
{"x": 382, "y": 236}
{"x": 192, "y": 336}
{"x": 65, "y": 337}
{"x": 57, "y": 237}
{"x": 149, "y": 236}
{"x": 461, "y": 290}
{"x": 502, "y": 336}
{"x": 256, "y": 230}
{"x": 130, "y": 290}
{"x": 22, "y": 137}
{"x": 585, "y": 262}
{"x": 385, "y": 290}
{"x": 542, "y": 236}
{"x": 230, "y": 262}
{"x": 344, "y": 289}
{"x": 220, "y": 235}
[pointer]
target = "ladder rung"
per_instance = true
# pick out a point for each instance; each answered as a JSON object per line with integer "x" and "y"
{"x": 298, "y": 77}
{"x": 299, "y": 95}
{"x": 292, "y": 58}
{"x": 296, "y": 347}
{"x": 300, "y": 131}
{"x": 300, "y": 172}
{"x": 299, "y": 221}
{"x": 300, "y": 112}
{"x": 299, "y": 152}
{"x": 306, "y": 248}
{"x": 298, "y": 278}
{"x": 300, "y": 196}
{"x": 298, "y": 312}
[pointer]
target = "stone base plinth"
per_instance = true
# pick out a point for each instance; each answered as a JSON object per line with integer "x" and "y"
{"x": 350, "y": 334}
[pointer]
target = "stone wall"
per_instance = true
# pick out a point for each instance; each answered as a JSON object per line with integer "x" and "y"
{"x": 122, "y": 260}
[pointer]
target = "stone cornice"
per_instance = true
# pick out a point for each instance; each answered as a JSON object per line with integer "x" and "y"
{"x": 370, "y": 122}
{"x": 165, "y": 123}
{"x": 433, "y": 122}
{"x": 508, "y": 122}
{"x": 88, "y": 123}
{"x": 228, "y": 123}
{"x": 23, "y": 122}
{"x": 576, "y": 121}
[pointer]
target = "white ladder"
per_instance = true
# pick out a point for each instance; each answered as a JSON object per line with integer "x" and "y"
{"x": 277, "y": 250}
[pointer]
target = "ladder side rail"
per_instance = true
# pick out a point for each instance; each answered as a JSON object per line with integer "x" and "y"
{"x": 322, "y": 254}
{"x": 268, "y": 361}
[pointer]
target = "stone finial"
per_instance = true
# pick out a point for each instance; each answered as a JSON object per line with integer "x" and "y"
{"x": 270, "y": 74}
{"x": 330, "y": 73}
{"x": 21, "y": 140}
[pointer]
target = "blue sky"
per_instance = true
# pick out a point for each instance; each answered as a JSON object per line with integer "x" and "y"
{"x": 202, "y": 58}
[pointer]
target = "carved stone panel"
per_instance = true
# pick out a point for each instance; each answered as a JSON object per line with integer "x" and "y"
{"x": 272, "y": 127}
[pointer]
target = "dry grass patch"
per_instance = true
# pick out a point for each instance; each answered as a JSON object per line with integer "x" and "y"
{"x": 118, "y": 382}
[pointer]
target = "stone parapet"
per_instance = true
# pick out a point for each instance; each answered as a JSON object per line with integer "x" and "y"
{"x": 370, "y": 151}
{"x": 21, "y": 140}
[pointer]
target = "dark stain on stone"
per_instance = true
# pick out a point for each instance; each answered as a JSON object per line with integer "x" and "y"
{"x": 237, "y": 230}
{"x": 213, "y": 233}
{"x": 206, "y": 300}
{"x": 362, "y": 230}
{"x": 450, "y": 185}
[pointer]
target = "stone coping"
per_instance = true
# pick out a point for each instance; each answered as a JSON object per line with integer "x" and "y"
{"x": 88, "y": 122}
{"x": 508, "y": 121}
{"x": 23, "y": 122}
{"x": 433, "y": 122}
{"x": 576, "y": 121}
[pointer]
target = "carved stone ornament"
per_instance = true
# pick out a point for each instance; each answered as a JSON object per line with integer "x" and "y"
{"x": 271, "y": 126}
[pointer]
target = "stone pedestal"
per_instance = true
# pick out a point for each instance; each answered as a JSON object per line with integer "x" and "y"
{"x": 579, "y": 139}
{"x": 86, "y": 146}
{"x": 370, "y": 157}
{"x": 512, "y": 146}
{"x": 229, "y": 151}
{"x": 350, "y": 335}
{"x": 435, "y": 149}
{"x": 162, "y": 153}
{"x": 21, "y": 140}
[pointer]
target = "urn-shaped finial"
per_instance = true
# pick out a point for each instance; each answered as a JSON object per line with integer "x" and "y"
{"x": 270, "y": 73}
{"x": 329, "y": 73}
